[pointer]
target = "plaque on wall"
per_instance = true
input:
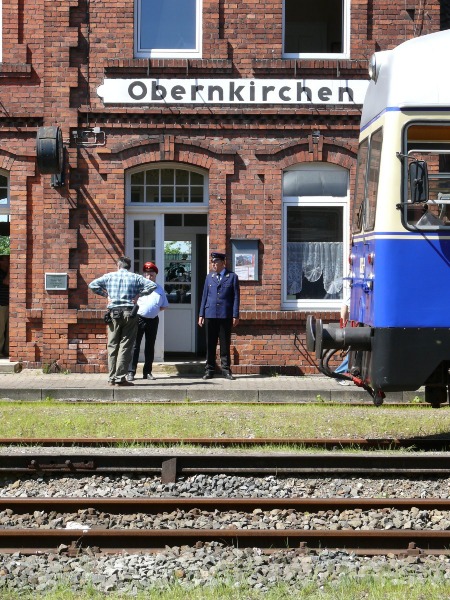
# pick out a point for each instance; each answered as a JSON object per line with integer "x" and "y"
{"x": 56, "y": 281}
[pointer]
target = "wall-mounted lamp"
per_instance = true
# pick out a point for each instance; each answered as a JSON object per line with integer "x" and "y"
{"x": 50, "y": 154}
{"x": 315, "y": 136}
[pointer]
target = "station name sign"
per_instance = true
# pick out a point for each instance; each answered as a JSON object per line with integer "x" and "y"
{"x": 233, "y": 91}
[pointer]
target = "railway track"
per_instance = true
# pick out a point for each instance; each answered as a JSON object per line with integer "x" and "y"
{"x": 81, "y": 537}
{"x": 100, "y": 540}
{"x": 171, "y": 466}
{"x": 425, "y": 443}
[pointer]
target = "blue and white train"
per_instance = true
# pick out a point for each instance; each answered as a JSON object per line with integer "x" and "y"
{"x": 398, "y": 334}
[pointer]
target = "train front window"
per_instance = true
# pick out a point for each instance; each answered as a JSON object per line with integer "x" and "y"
{"x": 367, "y": 177}
{"x": 429, "y": 142}
{"x": 360, "y": 187}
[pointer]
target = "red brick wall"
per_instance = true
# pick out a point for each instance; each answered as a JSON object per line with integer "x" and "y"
{"x": 56, "y": 53}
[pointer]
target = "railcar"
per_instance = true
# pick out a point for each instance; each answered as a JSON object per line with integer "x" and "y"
{"x": 398, "y": 333}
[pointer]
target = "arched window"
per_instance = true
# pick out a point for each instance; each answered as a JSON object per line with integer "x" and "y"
{"x": 315, "y": 218}
{"x": 166, "y": 185}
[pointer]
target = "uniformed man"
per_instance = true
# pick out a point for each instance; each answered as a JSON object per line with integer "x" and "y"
{"x": 219, "y": 311}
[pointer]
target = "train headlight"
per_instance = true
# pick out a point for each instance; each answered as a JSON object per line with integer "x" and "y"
{"x": 373, "y": 67}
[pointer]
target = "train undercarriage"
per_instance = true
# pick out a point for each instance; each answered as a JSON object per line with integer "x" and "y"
{"x": 383, "y": 360}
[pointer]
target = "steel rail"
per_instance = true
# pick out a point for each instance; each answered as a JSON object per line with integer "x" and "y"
{"x": 32, "y": 541}
{"x": 171, "y": 466}
{"x": 426, "y": 443}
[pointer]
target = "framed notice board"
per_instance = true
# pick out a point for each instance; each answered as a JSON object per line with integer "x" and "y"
{"x": 245, "y": 259}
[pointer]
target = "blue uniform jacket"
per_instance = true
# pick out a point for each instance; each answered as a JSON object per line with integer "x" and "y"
{"x": 220, "y": 300}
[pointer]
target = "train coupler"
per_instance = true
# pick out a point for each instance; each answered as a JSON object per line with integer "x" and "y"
{"x": 378, "y": 396}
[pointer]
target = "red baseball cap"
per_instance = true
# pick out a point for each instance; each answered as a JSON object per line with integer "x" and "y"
{"x": 149, "y": 266}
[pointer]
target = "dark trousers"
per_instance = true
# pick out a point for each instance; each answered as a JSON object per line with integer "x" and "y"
{"x": 218, "y": 330}
{"x": 149, "y": 329}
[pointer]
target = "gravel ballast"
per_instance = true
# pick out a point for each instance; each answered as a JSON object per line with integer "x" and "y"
{"x": 212, "y": 563}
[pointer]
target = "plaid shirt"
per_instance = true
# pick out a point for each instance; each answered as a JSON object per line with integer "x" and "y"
{"x": 121, "y": 287}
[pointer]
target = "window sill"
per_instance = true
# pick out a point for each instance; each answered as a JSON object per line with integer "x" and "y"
{"x": 148, "y": 66}
{"x": 15, "y": 70}
{"x": 314, "y": 306}
{"x": 277, "y": 315}
{"x": 342, "y": 66}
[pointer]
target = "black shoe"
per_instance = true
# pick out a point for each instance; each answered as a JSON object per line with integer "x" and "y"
{"x": 229, "y": 376}
{"x": 208, "y": 376}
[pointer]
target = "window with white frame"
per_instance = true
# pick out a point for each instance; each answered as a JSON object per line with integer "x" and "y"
{"x": 166, "y": 185}
{"x": 316, "y": 29}
{"x": 315, "y": 216}
{"x": 168, "y": 28}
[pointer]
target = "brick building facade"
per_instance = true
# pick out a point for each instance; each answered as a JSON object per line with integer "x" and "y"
{"x": 235, "y": 135}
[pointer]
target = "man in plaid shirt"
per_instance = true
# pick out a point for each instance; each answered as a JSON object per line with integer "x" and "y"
{"x": 122, "y": 289}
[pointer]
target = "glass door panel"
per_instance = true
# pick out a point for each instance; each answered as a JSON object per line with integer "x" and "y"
{"x": 178, "y": 285}
{"x": 144, "y": 243}
{"x": 178, "y": 272}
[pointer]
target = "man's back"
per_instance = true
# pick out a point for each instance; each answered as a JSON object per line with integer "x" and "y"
{"x": 121, "y": 287}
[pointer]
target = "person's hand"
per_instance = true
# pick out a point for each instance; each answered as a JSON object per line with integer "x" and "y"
{"x": 344, "y": 312}
{"x": 235, "y": 322}
{"x": 201, "y": 320}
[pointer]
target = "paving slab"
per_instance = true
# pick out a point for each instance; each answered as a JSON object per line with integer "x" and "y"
{"x": 33, "y": 384}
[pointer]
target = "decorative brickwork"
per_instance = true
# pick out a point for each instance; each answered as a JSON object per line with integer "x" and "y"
{"x": 56, "y": 54}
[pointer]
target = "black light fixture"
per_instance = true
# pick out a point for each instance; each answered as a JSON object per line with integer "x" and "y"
{"x": 315, "y": 136}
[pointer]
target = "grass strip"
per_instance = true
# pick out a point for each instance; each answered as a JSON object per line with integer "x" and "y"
{"x": 364, "y": 588}
{"x": 57, "y": 419}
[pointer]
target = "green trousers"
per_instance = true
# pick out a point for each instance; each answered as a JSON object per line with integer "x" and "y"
{"x": 121, "y": 337}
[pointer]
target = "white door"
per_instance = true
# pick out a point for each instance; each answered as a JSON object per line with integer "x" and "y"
{"x": 179, "y": 284}
{"x": 144, "y": 242}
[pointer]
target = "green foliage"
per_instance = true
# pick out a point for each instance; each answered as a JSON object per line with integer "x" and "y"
{"x": 172, "y": 248}
{"x": 417, "y": 400}
{"x": 4, "y": 244}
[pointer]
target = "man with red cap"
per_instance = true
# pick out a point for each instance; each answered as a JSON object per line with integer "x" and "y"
{"x": 219, "y": 311}
{"x": 148, "y": 321}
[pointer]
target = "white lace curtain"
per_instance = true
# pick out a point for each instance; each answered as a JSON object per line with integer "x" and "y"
{"x": 314, "y": 259}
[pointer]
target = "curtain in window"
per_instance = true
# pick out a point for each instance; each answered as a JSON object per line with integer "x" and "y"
{"x": 314, "y": 259}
